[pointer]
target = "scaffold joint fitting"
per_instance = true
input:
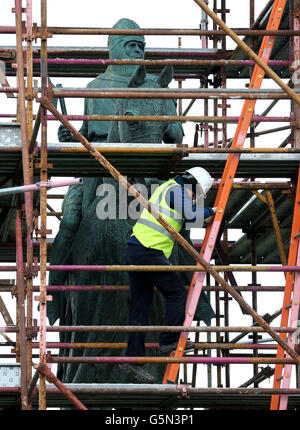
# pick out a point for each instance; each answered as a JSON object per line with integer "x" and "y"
{"x": 184, "y": 392}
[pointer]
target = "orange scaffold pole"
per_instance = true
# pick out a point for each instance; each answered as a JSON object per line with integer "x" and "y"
{"x": 289, "y": 283}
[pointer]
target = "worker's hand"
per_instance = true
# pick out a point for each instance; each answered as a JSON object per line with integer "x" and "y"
{"x": 64, "y": 134}
{"x": 209, "y": 219}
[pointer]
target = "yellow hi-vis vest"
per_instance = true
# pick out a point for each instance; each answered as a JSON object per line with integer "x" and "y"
{"x": 149, "y": 231}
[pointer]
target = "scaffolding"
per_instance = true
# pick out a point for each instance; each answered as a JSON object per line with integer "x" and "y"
{"x": 264, "y": 204}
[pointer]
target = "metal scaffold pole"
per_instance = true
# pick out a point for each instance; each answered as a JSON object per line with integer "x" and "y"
{"x": 25, "y": 119}
{"x": 43, "y": 209}
{"x": 29, "y": 237}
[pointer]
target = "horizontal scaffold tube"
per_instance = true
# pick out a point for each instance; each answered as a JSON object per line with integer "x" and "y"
{"x": 123, "y": 345}
{"x": 9, "y": 90}
{"x": 171, "y": 93}
{"x": 256, "y": 288}
{"x": 233, "y": 119}
{"x": 186, "y": 359}
{"x": 116, "y": 288}
{"x": 50, "y": 288}
{"x": 164, "y": 150}
{"x": 39, "y": 185}
{"x": 10, "y": 29}
{"x": 247, "y": 185}
{"x": 168, "y": 150}
{"x": 169, "y": 118}
{"x": 183, "y": 62}
{"x": 173, "y": 329}
{"x": 186, "y": 151}
{"x": 171, "y": 268}
{"x": 163, "y": 389}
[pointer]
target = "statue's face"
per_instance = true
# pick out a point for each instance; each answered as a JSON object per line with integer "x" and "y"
{"x": 134, "y": 50}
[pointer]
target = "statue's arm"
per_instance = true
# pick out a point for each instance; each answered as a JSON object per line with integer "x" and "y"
{"x": 113, "y": 134}
{"x": 84, "y": 128}
{"x": 174, "y": 132}
{"x": 64, "y": 135}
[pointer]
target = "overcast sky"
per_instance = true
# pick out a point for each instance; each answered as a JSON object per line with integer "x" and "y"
{"x": 148, "y": 14}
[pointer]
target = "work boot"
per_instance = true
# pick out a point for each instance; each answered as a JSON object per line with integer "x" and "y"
{"x": 165, "y": 349}
{"x": 137, "y": 372}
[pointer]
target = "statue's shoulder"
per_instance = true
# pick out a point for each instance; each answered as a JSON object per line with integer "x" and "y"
{"x": 150, "y": 77}
{"x": 98, "y": 81}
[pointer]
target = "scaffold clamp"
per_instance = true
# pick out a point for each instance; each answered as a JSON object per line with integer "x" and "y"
{"x": 184, "y": 390}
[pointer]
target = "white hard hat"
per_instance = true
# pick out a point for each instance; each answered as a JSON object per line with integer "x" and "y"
{"x": 202, "y": 177}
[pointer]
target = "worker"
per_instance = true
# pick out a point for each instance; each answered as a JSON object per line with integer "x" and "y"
{"x": 151, "y": 244}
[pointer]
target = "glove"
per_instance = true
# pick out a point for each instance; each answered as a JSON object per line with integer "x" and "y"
{"x": 209, "y": 219}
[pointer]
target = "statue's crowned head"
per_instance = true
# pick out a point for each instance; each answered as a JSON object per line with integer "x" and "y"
{"x": 119, "y": 44}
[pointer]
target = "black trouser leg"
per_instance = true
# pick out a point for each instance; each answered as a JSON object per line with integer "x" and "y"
{"x": 174, "y": 292}
{"x": 141, "y": 293}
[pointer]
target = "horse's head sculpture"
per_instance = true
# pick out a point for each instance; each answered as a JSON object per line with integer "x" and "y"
{"x": 146, "y": 131}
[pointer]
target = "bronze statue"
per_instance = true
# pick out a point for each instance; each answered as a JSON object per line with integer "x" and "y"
{"x": 85, "y": 238}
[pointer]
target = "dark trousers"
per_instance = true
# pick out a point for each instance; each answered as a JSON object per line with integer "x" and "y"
{"x": 141, "y": 293}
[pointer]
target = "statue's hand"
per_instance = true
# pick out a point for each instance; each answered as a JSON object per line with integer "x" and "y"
{"x": 174, "y": 133}
{"x": 64, "y": 135}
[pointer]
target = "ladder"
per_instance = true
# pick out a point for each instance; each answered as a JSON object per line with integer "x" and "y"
{"x": 231, "y": 165}
{"x": 292, "y": 284}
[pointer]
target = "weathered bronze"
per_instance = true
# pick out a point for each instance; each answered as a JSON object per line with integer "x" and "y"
{"x": 83, "y": 238}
